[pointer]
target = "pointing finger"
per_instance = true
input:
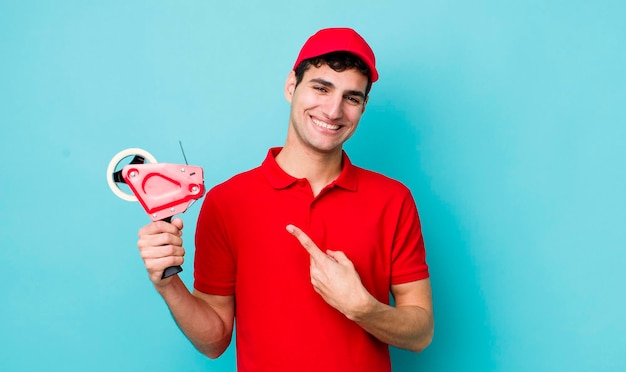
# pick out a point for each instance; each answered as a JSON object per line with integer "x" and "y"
{"x": 307, "y": 243}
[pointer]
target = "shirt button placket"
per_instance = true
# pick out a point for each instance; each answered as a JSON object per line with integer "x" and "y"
{"x": 307, "y": 201}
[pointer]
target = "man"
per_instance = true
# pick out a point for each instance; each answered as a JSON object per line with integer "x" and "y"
{"x": 304, "y": 250}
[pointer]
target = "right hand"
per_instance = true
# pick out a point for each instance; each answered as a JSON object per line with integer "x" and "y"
{"x": 161, "y": 246}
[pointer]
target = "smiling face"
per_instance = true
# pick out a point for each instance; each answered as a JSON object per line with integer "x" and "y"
{"x": 326, "y": 107}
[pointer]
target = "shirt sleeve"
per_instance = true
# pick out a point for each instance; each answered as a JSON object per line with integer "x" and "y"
{"x": 408, "y": 253}
{"x": 214, "y": 262}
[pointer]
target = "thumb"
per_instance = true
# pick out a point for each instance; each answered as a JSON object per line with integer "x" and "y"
{"x": 339, "y": 257}
{"x": 178, "y": 222}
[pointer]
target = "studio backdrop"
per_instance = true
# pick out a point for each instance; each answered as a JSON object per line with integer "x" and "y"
{"x": 506, "y": 119}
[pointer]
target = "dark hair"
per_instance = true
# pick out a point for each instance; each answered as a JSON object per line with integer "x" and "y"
{"x": 338, "y": 61}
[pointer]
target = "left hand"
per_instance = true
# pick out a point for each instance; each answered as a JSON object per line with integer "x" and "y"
{"x": 334, "y": 277}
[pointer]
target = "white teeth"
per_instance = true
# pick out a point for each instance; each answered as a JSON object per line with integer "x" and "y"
{"x": 325, "y": 125}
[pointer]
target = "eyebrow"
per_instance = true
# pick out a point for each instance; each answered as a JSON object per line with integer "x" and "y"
{"x": 328, "y": 84}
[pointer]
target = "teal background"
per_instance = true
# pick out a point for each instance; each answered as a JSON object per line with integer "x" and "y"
{"x": 505, "y": 118}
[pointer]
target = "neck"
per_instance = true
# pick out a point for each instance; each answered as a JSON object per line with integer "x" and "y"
{"x": 320, "y": 169}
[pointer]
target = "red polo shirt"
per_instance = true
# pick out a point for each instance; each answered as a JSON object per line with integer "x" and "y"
{"x": 242, "y": 248}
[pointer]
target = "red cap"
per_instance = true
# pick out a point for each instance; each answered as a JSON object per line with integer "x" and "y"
{"x": 331, "y": 40}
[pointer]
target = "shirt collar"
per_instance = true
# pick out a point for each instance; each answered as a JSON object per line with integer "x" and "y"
{"x": 279, "y": 179}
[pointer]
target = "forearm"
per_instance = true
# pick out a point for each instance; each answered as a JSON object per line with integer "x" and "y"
{"x": 406, "y": 327}
{"x": 201, "y": 323}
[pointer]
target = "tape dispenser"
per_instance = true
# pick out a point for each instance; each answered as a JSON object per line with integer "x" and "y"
{"x": 163, "y": 189}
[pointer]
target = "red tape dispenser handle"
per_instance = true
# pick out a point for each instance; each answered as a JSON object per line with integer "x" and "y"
{"x": 163, "y": 189}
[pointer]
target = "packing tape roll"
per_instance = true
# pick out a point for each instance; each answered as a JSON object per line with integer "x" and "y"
{"x": 113, "y": 164}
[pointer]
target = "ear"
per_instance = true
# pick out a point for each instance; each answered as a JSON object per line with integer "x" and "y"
{"x": 290, "y": 86}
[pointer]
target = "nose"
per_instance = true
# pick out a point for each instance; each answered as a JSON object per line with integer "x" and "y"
{"x": 333, "y": 107}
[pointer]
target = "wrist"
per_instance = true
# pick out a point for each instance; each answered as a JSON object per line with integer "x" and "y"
{"x": 363, "y": 309}
{"x": 168, "y": 288}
